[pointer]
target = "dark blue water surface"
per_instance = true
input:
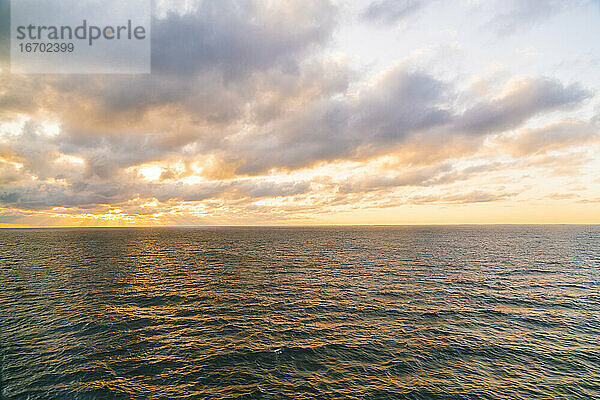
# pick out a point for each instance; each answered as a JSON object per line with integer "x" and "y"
{"x": 498, "y": 312}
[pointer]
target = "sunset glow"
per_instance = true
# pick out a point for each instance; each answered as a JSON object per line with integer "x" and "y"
{"x": 319, "y": 112}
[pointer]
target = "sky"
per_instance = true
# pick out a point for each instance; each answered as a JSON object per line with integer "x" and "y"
{"x": 315, "y": 112}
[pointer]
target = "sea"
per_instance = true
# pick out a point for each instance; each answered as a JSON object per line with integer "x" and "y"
{"x": 416, "y": 312}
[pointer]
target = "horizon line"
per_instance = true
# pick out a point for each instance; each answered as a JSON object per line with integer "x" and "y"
{"x": 302, "y": 226}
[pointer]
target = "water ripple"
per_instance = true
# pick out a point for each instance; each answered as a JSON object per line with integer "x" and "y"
{"x": 301, "y": 313}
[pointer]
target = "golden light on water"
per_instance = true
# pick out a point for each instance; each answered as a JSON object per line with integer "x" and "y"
{"x": 354, "y": 123}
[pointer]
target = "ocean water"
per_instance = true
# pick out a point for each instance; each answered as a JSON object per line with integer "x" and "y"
{"x": 496, "y": 312}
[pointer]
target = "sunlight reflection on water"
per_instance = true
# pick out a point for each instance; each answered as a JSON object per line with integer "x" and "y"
{"x": 416, "y": 312}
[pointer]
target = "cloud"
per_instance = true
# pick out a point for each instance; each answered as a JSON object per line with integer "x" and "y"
{"x": 383, "y": 115}
{"x": 402, "y": 105}
{"x": 521, "y": 99}
{"x": 424, "y": 176}
{"x": 81, "y": 194}
{"x": 399, "y": 110}
{"x": 9, "y": 174}
{"x": 507, "y": 16}
{"x": 515, "y": 15}
{"x": 392, "y": 11}
{"x": 476, "y": 196}
{"x": 561, "y": 196}
{"x": 209, "y": 61}
{"x": 251, "y": 109}
{"x": 272, "y": 189}
{"x": 239, "y": 37}
{"x": 4, "y": 32}
{"x": 197, "y": 96}
{"x": 555, "y": 136}
{"x": 567, "y": 163}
